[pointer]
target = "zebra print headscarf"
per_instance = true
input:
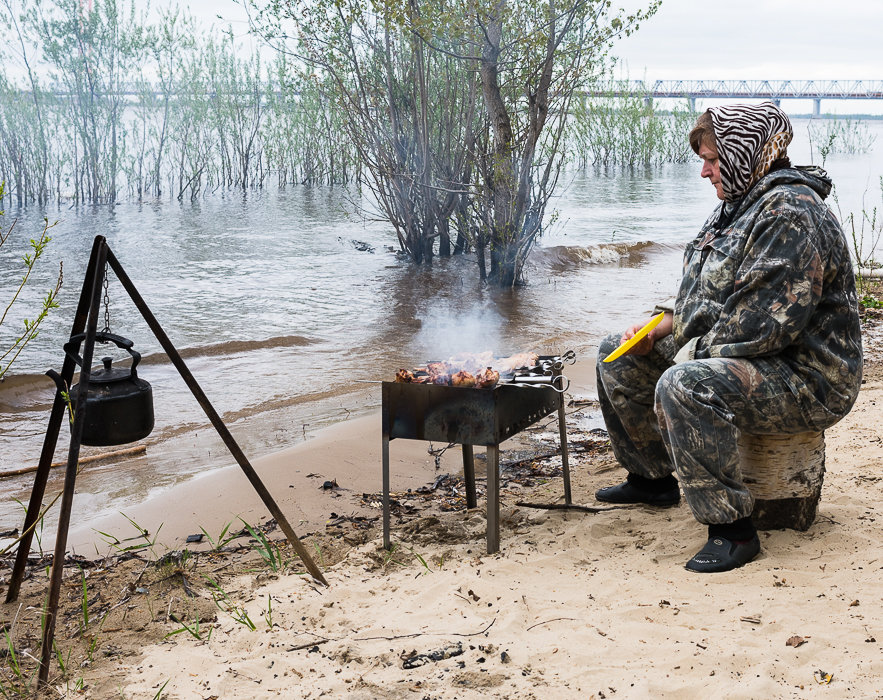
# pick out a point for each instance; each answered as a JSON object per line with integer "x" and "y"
{"x": 749, "y": 139}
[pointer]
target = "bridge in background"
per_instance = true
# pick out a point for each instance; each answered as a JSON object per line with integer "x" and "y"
{"x": 775, "y": 90}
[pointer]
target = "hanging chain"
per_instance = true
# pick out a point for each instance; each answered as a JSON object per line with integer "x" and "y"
{"x": 106, "y": 328}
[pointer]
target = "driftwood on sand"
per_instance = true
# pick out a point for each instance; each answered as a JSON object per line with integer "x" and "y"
{"x": 138, "y": 449}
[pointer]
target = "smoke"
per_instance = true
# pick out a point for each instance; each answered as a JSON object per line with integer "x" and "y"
{"x": 445, "y": 332}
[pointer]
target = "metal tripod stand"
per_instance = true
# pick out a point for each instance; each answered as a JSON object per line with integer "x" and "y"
{"x": 86, "y": 321}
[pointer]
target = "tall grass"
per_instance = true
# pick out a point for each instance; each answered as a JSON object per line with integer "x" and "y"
{"x": 865, "y": 231}
{"x": 25, "y": 162}
{"x": 304, "y": 134}
{"x": 613, "y": 126}
{"x": 846, "y": 136}
{"x": 152, "y": 110}
{"x": 113, "y": 105}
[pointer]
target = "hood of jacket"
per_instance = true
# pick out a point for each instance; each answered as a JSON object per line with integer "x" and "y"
{"x": 811, "y": 176}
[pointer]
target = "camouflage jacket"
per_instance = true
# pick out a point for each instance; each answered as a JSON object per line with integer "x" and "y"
{"x": 777, "y": 282}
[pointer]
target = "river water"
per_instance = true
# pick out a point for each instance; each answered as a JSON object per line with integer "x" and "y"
{"x": 278, "y": 311}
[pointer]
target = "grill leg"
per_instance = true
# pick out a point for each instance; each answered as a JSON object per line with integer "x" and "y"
{"x": 493, "y": 499}
{"x": 385, "y": 453}
{"x": 469, "y": 475}
{"x": 565, "y": 461}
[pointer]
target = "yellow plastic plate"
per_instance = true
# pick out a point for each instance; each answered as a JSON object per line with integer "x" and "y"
{"x": 635, "y": 339}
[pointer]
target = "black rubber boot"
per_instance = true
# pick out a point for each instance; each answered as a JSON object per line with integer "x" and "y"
{"x": 662, "y": 492}
{"x": 729, "y": 546}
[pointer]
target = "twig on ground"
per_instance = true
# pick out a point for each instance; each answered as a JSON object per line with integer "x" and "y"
{"x": 307, "y": 645}
{"x": 475, "y": 634}
{"x": 398, "y": 636}
{"x": 112, "y": 608}
{"x": 141, "y": 575}
{"x": 422, "y": 634}
{"x": 565, "y": 506}
{"x": 546, "y": 622}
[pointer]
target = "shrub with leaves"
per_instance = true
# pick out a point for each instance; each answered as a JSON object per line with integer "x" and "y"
{"x": 14, "y": 341}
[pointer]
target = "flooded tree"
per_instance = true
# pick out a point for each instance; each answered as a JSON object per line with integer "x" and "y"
{"x": 167, "y": 42}
{"x": 33, "y": 120}
{"x": 406, "y": 108}
{"x": 90, "y": 53}
{"x": 407, "y": 73}
{"x": 534, "y": 57}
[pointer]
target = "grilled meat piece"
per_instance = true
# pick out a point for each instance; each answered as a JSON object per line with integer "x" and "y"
{"x": 463, "y": 378}
{"x": 487, "y": 378}
{"x": 522, "y": 359}
{"x": 466, "y": 370}
{"x": 404, "y": 376}
{"x": 434, "y": 368}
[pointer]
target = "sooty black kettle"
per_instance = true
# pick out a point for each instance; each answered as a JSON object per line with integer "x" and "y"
{"x": 119, "y": 405}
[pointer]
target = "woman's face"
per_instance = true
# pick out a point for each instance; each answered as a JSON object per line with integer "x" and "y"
{"x": 711, "y": 168}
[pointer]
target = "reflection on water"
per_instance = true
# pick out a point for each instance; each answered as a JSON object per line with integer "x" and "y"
{"x": 277, "y": 312}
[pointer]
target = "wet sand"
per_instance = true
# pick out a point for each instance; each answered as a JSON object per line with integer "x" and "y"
{"x": 347, "y": 453}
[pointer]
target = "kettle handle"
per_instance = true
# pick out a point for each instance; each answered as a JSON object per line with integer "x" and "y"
{"x": 56, "y": 377}
{"x": 72, "y": 346}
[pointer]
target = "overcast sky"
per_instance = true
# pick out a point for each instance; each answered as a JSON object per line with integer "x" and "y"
{"x": 727, "y": 39}
{"x": 750, "y": 39}
{"x": 758, "y": 39}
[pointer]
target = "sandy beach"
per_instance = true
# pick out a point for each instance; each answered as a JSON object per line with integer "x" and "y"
{"x": 576, "y": 604}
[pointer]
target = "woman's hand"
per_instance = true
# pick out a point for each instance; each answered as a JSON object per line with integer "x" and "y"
{"x": 646, "y": 344}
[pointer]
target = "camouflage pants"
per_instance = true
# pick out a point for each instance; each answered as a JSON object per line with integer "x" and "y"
{"x": 687, "y": 418}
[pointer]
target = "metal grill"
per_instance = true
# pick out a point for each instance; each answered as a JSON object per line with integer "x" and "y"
{"x": 472, "y": 416}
